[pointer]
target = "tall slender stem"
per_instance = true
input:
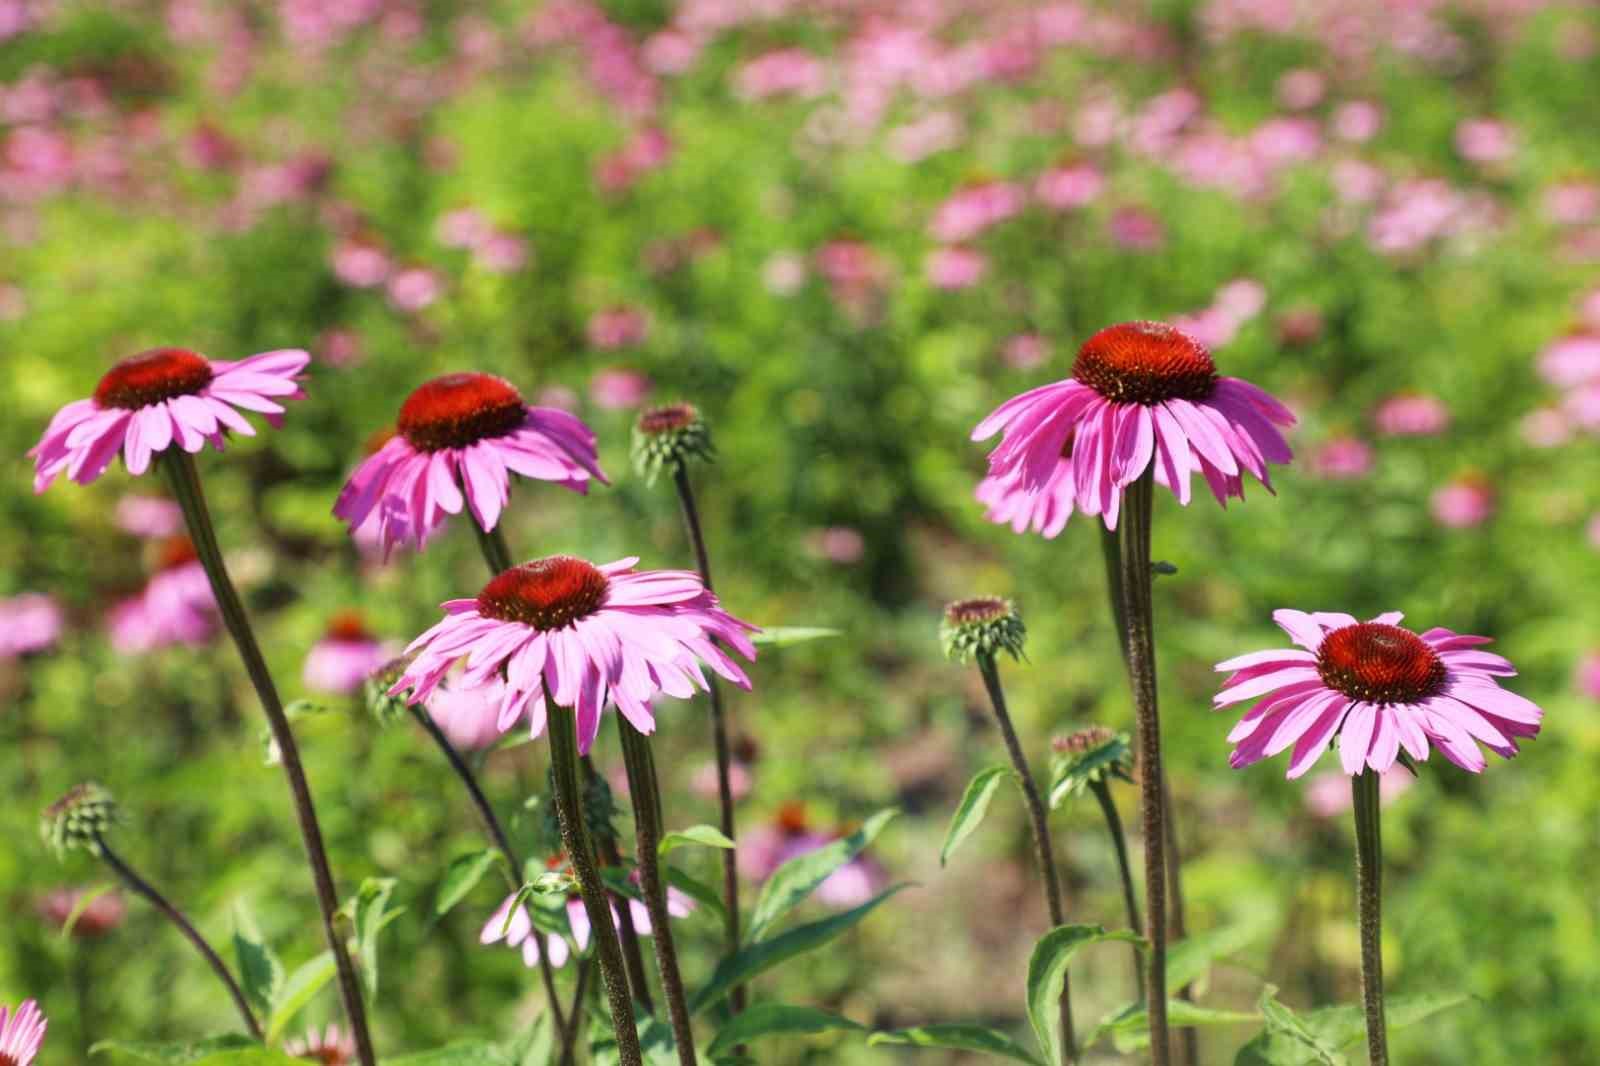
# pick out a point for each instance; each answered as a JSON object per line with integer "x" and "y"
{"x": 492, "y": 542}
{"x": 143, "y": 888}
{"x": 1130, "y": 898}
{"x": 1369, "y": 901}
{"x": 563, "y": 729}
{"x": 719, "y": 737}
{"x": 514, "y": 870}
{"x": 185, "y": 481}
{"x": 645, "y": 792}
{"x": 1041, "y": 835}
{"x": 632, "y": 954}
{"x": 1134, "y": 571}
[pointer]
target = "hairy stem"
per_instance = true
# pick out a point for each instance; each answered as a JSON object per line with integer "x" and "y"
{"x": 185, "y": 481}
{"x": 1130, "y": 898}
{"x": 1369, "y": 902}
{"x": 143, "y": 888}
{"x": 645, "y": 793}
{"x": 1041, "y": 835}
{"x": 492, "y": 542}
{"x": 632, "y": 954}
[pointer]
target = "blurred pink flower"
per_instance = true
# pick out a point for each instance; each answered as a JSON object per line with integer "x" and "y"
{"x": 1356, "y": 182}
{"x": 955, "y": 267}
{"x": 414, "y": 289}
{"x": 672, "y": 51}
{"x": 1357, "y": 121}
{"x": 1588, "y": 675}
{"x": 1301, "y": 89}
{"x": 1590, "y": 310}
{"x": 839, "y": 544}
{"x": 705, "y": 783}
{"x": 1025, "y": 351}
{"x": 1069, "y": 185}
{"x": 469, "y": 717}
{"x": 1415, "y": 213}
{"x": 501, "y": 253}
{"x": 29, "y": 623}
{"x": 1342, "y": 459}
{"x": 618, "y": 388}
{"x": 1464, "y": 503}
{"x": 785, "y": 72}
{"x": 1546, "y": 427}
{"x": 175, "y": 607}
{"x": 1328, "y": 795}
{"x": 784, "y": 273}
{"x": 360, "y": 265}
{"x": 151, "y": 517}
{"x": 1411, "y": 414}
{"x": 103, "y": 913}
{"x": 1284, "y": 141}
{"x": 1137, "y": 230}
{"x": 1592, "y": 531}
{"x": 1572, "y": 203}
{"x": 914, "y": 141}
{"x": 764, "y": 848}
{"x": 345, "y": 656}
{"x": 330, "y": 1046}
{"x": 462, "y": 228}
{"x": 970, "y": 211}
{"x": 1485, "y": 140}
{"x": 1572, "y": 360}
{"x": 617, "y": 327}
{"x": 1582, "y": 406}
{"x": 340, "y": 347}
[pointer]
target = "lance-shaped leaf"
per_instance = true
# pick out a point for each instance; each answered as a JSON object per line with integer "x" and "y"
{"x": 462, "y": 876}
{"x": 797, "y": 878}
{"x": 776, "y": 1019}
{"x": 705, "y": 835}
{"x": 974, "y": 805}
{"x": 298, "y": 990}
{"x": 1047, "y": 969}
{"x": 959, "y": 1036}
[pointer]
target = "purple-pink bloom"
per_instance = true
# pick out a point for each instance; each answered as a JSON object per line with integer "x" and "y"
{"x": 766, "y": 847}
{"x": 618, "y": 388}
{"x": 1379, "y": 688}
{"x": 1044, "y": 510}
{"x": 1464, "y": 503}
{"x": 1342, "y": 459}
{"x": 345, "y": 657}
{"x": 331, "y": 1046}
{"x": 956, "y": 267}
{"x": 158, "y": 398}
{"x": 1068, "y": 186}
{"x": 176, "y": 606}
{"x": 1588, "y": 675}
{"x": 29, "y": 623}
{"x": 21, "y": 1033}
{"x": 520, "y": 933}
{"x": 469, "y": 717}
{"x": 1328, "y": 795}
{"x": 1411, "y": 414}
{"x": 1142, "y": 396}
{"x": 463, "y": 431}
{"x": 152, "y": 517}
{"x": 590, "y": 635}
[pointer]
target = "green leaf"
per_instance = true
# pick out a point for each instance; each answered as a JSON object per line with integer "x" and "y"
{"x": 461, "y": 877}
{"x": 1047, "y": 969}
{"x": 974, "y": 805}
{"x": 303, "y": 984}
{"x": 699, "y": 891}
{"x": 773, "y": 1019}
{"x": 1334, "y": 1027}
{"x": 784, "y": 636}
{"x": 84, "y": 901}
{"x": 1129, "y": 1028}
{"x": 465, "y": 1053}
{"x": 171, "y": 1054}
{"x": 708, "y": 835}
{"x": 797, "y": 878}
{"x": 372, "y": 914}
{"x": 258, "y": 1056}
{"x": 538, "y": 1047}
{"x": 959, "y": 1036}
{"x": 1190, "y": 958}
{"x": 1289, "y": 1039}
{"x": 260, "y": 972}
{"x": 757, "y": 958}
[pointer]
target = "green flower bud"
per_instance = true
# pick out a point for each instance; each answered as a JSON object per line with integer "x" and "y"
{"x": 77, "y": 819}
{"x": 385, "y": 708}
{"x": 664, "y": 437}
{"x": 984, "y": 626}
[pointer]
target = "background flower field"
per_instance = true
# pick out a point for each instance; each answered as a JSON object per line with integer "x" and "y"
{"x": 845, "y": 229}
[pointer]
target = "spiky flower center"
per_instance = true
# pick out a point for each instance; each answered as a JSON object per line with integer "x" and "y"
{"x": 460, "y": 409}
{"x": 328, "y": 1055}
{"x": 152, "y": 377}
{"x": 1145, "y": 363}
{"x": 668, "y": 417}
{"x": 546, "y": 594}
{"x": 348, "y": 626}
{"x": 6, "y": 1059}
{"x": 174, "y": 552}
{"x": 1379, "y": 663}
{"x": 1083, "y": 740}
{"x": 976, "y": 611}
{"x": 792, "y": 820}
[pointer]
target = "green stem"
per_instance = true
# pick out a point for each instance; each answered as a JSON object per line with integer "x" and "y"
{"x": 1139, "y": 625}
{"x": 185, "y": 481}
{"x": 492, "y": 542}
{"x": 143, "y": 888}
{"x": 632, "y": 954}
{"x": 1130, "y": 898}
{"x": 563, "y": 729}
{"x": 645, "y": 792}
{"x": 1369, "y": 901}
{"x": 1041, "y": 835}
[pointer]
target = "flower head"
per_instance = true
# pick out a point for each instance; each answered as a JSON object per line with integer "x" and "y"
{"x": 1380, "y": 689}
{"x": 331, "y": 1047}
{"x": 21, "y": 1033}
{"x": 588, "y": 635}
{"x": 78, "y": 819}
{"x": 463, "y": 431}
{"x": 176, "y": 606}
{"x": 387, "y": 708}
{"x": 96, "y": 915}
{"x": 666, "y": 436}
{"x": 28, "y": 623}
{"x": 346, "y": 656}
{"x": 984, "y": 626}
{"x": 1087, "y": 757}
{"x": 763, "y": 849}
{"x": 151, "y": 401}
{"x": 1142, "y": 395}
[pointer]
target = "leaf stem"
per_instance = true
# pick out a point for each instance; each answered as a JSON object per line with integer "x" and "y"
{"x": 1130, "y": 898}
{"x": 1369, "y": 902}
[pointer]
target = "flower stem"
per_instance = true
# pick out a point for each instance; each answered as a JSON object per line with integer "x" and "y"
{"x": 1041, "y": 835}
{"x": 719, "y": 736}
{"x": 185, "y": 481}
{"x": 492, "y": 542}
{"x": 645, "y": 792}
{"x": 1130, "y": 898}
{"x": 1369, "y": 901}
{"x": 514, "y": 871}
{"x": 632, "y": 954}
{"x": 143, "y": 888}
{"x": 563, "y": 729}
{"x": 1139, "y": 625}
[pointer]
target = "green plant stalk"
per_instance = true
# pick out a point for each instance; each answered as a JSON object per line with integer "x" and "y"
{"x": 1139, "y": 624}
{"x": 143, "y": 888}
{"x": 1369, "y": 903}
{"x": 719, "y": 737}
{"x": 513, "y": 872}
{"x": 1130, "y": 898}
{"x": 562, "y": 727}
{"x": 1041, "y": 835}
{"x": 632, "y": 954}
{"x": 179, "y": 468}
{"x": 492, "y": 542}
{"x": 645, "y": 792}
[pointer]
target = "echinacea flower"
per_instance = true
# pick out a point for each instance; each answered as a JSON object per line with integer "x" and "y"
{"x": 463, "y": 431}
{"x": 1045, "y": 510}
{"x": 331, "y": 1047}
{"x": 469, "y": 717}
{"x": 520, "y": 933}
{"x": 96, "y": 917}
{"x": 176, "y": 606}
{"x": 21, "y": 1033}
{"x": 790, "y": 835}
{"x": 151, "y": 401}
{"x": 28, "y": 623}
{"x": 1142, "y": 395}
{"x": 590, "y": 635}
{"x": 346, "y": 656}
{"x": 1380, "y": 689}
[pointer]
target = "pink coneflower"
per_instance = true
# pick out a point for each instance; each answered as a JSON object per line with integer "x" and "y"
{"x": 1044, "y": 510}
{"x": 1588, "y": 675}
{"x": 1025, "y": 351}
{"x": 955, "y": 267}
{"x": 617, "y": 327}
{"x": 21, "y": 1033}
{"x": 1342, "y": 459}
{"x": 176, "y": 605}
{"x": 414, "y": 289}
{"x": 158, "y": 398}
{"x": 838, "y": 544}
{"x": 469, "y": 717}
{"x": 102, "y": 914}
{"x": 765, "y": 848}
{"x": 29, "y": 623}
{"x": 1464, "y": 503}
{"x": 470, "y": 430}
{"x": 618, "y": 388}
{"x": 1411, "y": 414}
{"x": 345, "y": 657}
{"x": 331, "y": 1047}
{"x": 591, "y": 635}
{"x": 1141, "y": 395}
{"x": 1357, "y": 121}
{"x": 1485, "y": 140}
{"x": 1379, "y": 688}
{"x": 149, "y": 516}
{"x": 1328, "y": 794}
{"x": 361, "y": 265}
{"x": 521, "y": 934}
{"x": 1545, "y": 427}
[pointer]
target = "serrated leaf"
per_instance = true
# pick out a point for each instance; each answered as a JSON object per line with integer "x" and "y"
{"x": 775, "y": 1019}
{"x": 705, "y": 835}
{"x": 958, "y": 1036}
{"x": 372, "y": 914}
{"x": 785, "y": 636}
{"x": 1047, "y": 969}
{"x": 298, "y": 990}
{"x": 797, "y": 878}
{"x": 461, "y": 877}
{"x": 1338, "y": 1027}
{"x": 176, "y": 1053}
{"x": 759, "y": 957}
{"x": 973, "y": 806}
{"x": 261, "y": 974}
{"x": 80, "y": 905}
